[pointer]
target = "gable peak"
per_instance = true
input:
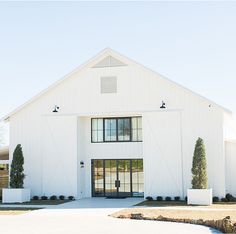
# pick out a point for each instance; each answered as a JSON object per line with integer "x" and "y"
{"x": 109, "y": 61}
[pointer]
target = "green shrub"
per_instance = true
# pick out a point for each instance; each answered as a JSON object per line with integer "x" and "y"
{"x": 177, "y": 198}
{"x": 159, "y": 198}
{"x": 71, "y": 198}
{"x": 44, "y": 198}
{"x": 216, "y": 199}
{"x": 62, "y": 197}
{"x": 17, "y": 170}
{"x": 168, "y": 198}
{"x": 223, "y": 199}
{"x": 35, "y": 197}
{"x": 148, "y": 198}
{"x": 53, "y": 197}
{"x": 229, "y": 197}
{"x": 199, "y": 167}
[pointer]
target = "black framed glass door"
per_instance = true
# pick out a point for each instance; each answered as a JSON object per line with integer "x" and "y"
{"x": 117, "y": 177}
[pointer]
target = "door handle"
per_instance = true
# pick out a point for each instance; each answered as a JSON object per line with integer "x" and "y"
{"x": 117, "y": 183}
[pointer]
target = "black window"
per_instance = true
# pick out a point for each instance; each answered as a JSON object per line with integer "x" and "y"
{"x": 137, "y": 129}
{"x": 97, "y": 130}
{"x": 110, "y": 130}
{"x": 121, "y": 129}
{"x": 124, "y": 129}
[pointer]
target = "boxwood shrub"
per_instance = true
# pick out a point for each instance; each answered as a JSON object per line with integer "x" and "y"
{"x": 159, "y": 198}
{"x": 168, "y": 198}
{"x": 35, "y": 197}
{"x": 148, "y": 198}
{"x": 53, "y": 197}
{"x": 230, "y": 198}
{"x": 44, "y": 198}
{"x": 71, "y": 198}
{"x": 177, "y": 198}
{"x": 216, "y": 199}
{"x": 223, "y": 199}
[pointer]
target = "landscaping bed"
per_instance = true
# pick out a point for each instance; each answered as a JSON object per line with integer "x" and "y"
{"x": 155, "y": 203}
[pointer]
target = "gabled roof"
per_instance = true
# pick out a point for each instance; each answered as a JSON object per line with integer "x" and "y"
{"x": 102, "y": 56}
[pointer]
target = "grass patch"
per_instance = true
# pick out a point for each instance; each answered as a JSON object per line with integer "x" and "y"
{"x": 40, "y": 202}
{"x": 15, "y": 210}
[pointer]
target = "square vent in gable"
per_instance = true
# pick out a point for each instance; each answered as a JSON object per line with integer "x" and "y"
{"x": 108, "y": 84}
{"x": 109, "y": 61}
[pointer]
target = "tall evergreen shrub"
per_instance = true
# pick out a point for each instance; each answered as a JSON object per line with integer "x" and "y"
{"x": 17, "y": 170}
{"x": 199, "y": 166}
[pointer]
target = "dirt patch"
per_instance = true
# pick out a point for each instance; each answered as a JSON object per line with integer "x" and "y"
{"x": 223, "y": 220}
{"x": 182, "y": 214}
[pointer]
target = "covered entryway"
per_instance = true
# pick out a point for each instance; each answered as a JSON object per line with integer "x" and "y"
{"x": 117, "y": 178}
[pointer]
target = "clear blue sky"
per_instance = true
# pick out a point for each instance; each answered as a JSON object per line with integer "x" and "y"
{"x": 192, "y": 43}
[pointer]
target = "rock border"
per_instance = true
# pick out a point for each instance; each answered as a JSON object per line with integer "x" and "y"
{"x": 224, "y": 225}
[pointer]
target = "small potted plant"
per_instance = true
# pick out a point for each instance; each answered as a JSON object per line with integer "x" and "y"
{"x": 199, "y": 194}
{"x": 16, "y": 193}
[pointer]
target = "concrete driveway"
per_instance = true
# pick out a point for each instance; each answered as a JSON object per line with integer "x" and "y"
{"x": 90, "y": 216}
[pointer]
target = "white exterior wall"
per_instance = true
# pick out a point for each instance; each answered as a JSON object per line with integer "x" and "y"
{"x": 89, "y": 151}
{"x": 163, "y": 154}
{"x": 230, "y": 158}
{"x": 140, "y": 92}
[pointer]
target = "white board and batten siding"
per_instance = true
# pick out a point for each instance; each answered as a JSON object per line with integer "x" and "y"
{"x": 230, "y": 164}
{"x": 55, "y": 143}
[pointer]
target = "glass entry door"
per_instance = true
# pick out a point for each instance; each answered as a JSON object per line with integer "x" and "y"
{"x": 117, "y": 177}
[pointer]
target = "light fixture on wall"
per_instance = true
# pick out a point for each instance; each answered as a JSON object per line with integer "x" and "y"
{"x": 163, "y": 105}
{"x": 56, "y": 108}
{"x": 81, "y": 164}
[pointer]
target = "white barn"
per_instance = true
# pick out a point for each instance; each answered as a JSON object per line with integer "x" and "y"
{"x": 103, "y": 130}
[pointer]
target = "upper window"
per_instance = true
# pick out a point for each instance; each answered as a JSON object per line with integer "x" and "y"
{"x": 97, "y": 130}
{"x": 137, "y": 129}
{"x": 110, "y": 130}
{"x": 116, "y": 129}
{"x": 124, "y": 129}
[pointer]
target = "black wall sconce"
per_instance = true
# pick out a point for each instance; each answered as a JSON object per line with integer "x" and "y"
{"x": 163, "y": 105}
{"x": 56, "y": 108}
{"x": 81, "y": 164}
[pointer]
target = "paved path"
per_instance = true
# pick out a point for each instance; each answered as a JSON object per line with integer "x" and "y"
{"x": 90, "y": 216}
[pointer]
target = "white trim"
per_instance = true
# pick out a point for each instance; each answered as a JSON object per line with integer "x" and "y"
{"x": 4, "y": 161}
{"x": 103, "y": 53}
{"x": 110, "y": 114}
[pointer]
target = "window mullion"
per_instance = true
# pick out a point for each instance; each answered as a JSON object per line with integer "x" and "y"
{"x": 130, "y": 130}
{"x": 103, "y": 127}
{"x": 117, "y": 129}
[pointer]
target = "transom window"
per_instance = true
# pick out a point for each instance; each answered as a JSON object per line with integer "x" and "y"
{"x": 116, "y": 129}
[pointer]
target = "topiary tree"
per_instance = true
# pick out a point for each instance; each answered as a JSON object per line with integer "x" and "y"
{"x": 17, "y": 171}
{"x": 199, "y": 167}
